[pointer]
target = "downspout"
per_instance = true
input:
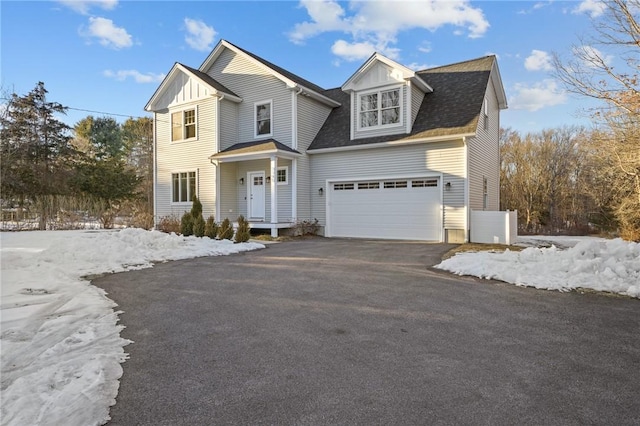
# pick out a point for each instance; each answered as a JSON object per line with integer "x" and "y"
{"x": 467, "y": 211}
{"x": 155, "y": 172}
{"x": 294, "y": 162}
{"x": 217, "y": 206}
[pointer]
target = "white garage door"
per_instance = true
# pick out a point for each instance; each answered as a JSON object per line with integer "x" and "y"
{"x": 404, "y": 209}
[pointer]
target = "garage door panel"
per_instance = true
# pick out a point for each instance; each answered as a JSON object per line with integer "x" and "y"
{"x": 385, "y": 212}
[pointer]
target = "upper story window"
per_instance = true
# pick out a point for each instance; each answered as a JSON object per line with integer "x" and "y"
{"x": 263, "y": 117}
{"x": 183, "y": 124}
{"x": 485, "y": 114}
{"x": 381, "y": 108}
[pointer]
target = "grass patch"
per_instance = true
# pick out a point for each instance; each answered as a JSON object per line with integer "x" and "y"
{"x": 476, "y": 247}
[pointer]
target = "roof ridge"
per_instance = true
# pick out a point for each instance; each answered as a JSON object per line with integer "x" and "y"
{"x": 480, "y": 58}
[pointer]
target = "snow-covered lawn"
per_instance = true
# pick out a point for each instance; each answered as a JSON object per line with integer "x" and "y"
{"x": 60, "y": 343}
{"x": 569, "y": 263}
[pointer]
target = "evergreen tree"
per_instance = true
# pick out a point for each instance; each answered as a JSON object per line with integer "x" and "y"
{"x": 186, "y": 224}
{"x": 242, "y": 233}
{"x": 211, "y": 228}
{"x": 225, "y": 231}
{"x": 36, "y": 155}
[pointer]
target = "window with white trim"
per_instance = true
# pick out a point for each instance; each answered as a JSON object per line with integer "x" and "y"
{"x": 424, "y": 183}
{"x": 379, "y": 109}
{"x": 282, "y": 175}
{"x": 183, "y": 125}
{"x": 368, "y": 185}
{"x": 395, "y": 184}
{"x": 263, "y": 118}
{"x": 183, "y": 187}
{"x": 485, "y": 192}
{"x": 342, "y": 186}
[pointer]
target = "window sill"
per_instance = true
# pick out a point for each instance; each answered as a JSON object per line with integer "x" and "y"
{"x": 185, "y": 140}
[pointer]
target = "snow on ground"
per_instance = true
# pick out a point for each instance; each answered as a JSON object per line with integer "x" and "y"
{"x": 60, "y": 341}
{"x": 584, "y": 262}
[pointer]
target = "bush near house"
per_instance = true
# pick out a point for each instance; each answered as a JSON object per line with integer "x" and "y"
{"x": 242, "y": 233}
{"x": 169, "y": 224}
{"x": 186, "y": 224}
{"x": 225, "y": 232}
{"x": 211, "y": 228}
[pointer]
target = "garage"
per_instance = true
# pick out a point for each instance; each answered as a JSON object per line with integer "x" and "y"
{"x": 403, "y": 209}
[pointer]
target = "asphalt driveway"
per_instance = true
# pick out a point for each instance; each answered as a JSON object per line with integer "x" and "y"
{"x": 320, "y": 331}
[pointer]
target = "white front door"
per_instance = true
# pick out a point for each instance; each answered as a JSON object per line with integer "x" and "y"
{"x": 255, "y": 196}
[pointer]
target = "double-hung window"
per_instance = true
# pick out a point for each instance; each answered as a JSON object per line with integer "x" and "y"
{"x": 282, "y": 175}
{"x": 263, "y": 118}
{"x": 380, "y": 108}
{"x": 183, "y": 125}
{"x": 183, "y": 186}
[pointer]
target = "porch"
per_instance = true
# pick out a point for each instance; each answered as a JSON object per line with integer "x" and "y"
{"x": 257, "y": 180}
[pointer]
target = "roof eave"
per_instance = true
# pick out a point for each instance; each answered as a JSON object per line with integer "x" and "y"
{"x": 443, "y": 138}
{"x": 246, "y": 156}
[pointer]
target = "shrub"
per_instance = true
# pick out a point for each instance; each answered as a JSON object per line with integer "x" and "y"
{"x": 242, "y": 233}
{"x": 198, "y": 226}
{"x": 211, "y": 228}
{"x": 196, "y": 207}
{"x": 169, "y": 224}
{"x": 225, "y": 232}
{"x": 186, "y": 224}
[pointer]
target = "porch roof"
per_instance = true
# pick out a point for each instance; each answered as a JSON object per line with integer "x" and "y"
{"x": 255, "y": 150}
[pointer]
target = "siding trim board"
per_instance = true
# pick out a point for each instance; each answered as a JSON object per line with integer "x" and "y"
{"x": 405, "y": 142}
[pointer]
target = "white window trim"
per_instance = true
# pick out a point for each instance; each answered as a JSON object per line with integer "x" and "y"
{"x": 286, "y": 170}
{"x": 182, "y": 111}
{"x": 379, "y": 91}
{"x": 189, "y": 202}
{"x": 485, "y": 118}
{"x": 255, "y": 118}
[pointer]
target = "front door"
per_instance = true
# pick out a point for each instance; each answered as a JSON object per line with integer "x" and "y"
{"x": 255, "y": 198}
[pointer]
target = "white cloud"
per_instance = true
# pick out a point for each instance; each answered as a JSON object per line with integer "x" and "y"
{"x": 418, "y": 67}
{"x": 358, "y": 51}
{"x": 537, "y": 96}
{"x": 138, "y": 77}
{"x": 594, "y": 8}
{"x": 425, "y": 47}
{"x": 107, "y": 33}
{"x": 199, "y": 36}
{"x": 83, "y": 6}
{"x": 377, "y": 23}
{"x": 539, "y": 60}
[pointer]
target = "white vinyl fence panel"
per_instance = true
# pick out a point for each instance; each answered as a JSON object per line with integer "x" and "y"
{"x": 494, "y": 227}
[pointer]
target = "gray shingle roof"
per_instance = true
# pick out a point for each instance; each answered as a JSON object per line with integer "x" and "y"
{"x": 254, "y": 147}
{"x": 453, "y": 108}
{"x": 210, "y": 80}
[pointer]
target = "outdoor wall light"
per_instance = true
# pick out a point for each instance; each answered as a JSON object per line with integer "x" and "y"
{"x": 320, "y": 191}
{"x": 241, "y": 181}
{"x": 268, "y": 179}
{"x": 447, "y": 186}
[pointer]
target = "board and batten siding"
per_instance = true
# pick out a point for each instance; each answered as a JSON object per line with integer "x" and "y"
{"x": 445, "y": 158}
{"x": 311, "y": 117}
{"x": 484, "y": 157}
{"x": 254, "y": 84}
{"x": 184, "y": 156}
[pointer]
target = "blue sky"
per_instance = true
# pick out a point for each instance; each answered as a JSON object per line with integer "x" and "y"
{"x": 109, "y": 56}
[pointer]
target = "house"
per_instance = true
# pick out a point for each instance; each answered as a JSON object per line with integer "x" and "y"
{"x": 392, "y": 153}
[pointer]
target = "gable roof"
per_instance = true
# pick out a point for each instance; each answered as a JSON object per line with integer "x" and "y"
{"x": 261, "y": 147}
{"x": 451, "y": 110}
{"x": 290, "y": 79}
{"x": 407, "y": 73}
{"x": 217, "y": 88}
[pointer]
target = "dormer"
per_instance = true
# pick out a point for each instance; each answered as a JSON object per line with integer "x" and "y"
{"x": 384, "y": 95}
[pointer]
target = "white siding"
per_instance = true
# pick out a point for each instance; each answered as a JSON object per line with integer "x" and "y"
{"x": 192, "y": 155}
{"x": 228, "y": 124}
{"x": 254, "y": 84}
{"x": 183, "y": 89}
{"x": 311, "y": 117}
{"x": 446, "y": 158}
{"x": 417, "y": 96}
{"x": 484, "y": 157}
{"x": 229, "y": 178}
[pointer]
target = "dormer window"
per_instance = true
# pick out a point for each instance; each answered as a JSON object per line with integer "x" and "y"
{"x": 379, "y": 108}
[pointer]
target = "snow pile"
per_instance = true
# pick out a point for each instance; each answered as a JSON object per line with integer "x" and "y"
{"x": 61, "y": 345}
{"x": 602, "y": 265}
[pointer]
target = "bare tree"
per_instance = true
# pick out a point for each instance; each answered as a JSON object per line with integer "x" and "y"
{"x": 591, "y": 72}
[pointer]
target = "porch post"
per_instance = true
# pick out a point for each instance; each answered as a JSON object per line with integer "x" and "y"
{"x": 274, "y": 195}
